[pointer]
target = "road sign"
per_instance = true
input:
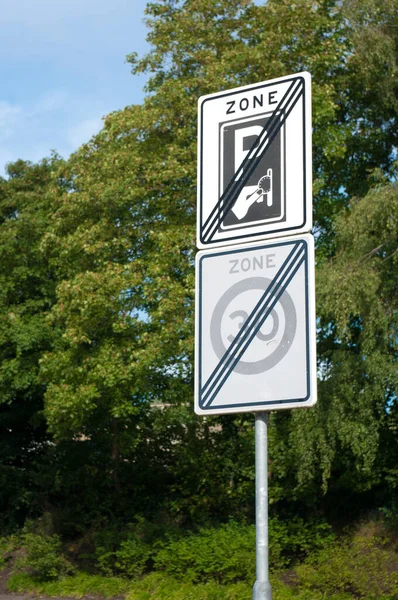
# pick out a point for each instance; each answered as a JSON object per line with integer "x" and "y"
{"x": 254, "y": 162}
{"x": 255, "y": 327}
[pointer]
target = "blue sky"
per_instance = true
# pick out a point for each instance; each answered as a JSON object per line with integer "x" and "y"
{"x": 62, "y": 68}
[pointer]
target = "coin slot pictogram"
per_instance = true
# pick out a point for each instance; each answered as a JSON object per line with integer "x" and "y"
{"x": 245, "y": 202}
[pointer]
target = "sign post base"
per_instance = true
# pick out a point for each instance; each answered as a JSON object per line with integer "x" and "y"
{"x": 262, "y": 591}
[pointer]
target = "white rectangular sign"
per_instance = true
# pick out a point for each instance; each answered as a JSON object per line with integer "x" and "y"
{"x": 254, "y": 162}
{"x": 255, "y": 327}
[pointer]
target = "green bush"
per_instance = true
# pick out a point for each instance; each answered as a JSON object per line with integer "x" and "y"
{"x": 132, "y": 557}
{"x": 106, "y": 542}
{"x": 225, "y": 554}
{"x": 363, "y": 568}
{"x": 127, "y": 552}
{"x": 291, "y": 541}
{"x": 7, "y": 545}
{"x": 43, "y": 557}
{"x": 281, "y": 591}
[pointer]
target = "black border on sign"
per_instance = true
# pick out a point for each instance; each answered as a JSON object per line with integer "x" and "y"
{"x": 218, "y": 408}
{"x": 234, "y": 238}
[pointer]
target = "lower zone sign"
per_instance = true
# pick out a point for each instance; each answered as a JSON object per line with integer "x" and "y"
{"x": 255, "y": 327}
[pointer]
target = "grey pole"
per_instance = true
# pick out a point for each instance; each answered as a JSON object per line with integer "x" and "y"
{"x": 262, "y": 588}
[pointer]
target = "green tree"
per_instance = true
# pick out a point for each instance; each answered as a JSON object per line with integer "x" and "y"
{"x": 122, "y": 243}
{"x": 27, "y": 292}
{"x": 349, "y": 440}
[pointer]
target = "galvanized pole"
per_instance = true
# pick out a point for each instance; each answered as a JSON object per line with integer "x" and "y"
{"x": 262, "y": 588}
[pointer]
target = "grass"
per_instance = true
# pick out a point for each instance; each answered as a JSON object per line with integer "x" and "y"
{"x": 73, "y": 586}
{"x": 156, "y": 586}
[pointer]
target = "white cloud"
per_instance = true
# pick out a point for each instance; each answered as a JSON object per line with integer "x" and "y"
{"x": 55, "y": 121}
{"x": 83, "y": 131}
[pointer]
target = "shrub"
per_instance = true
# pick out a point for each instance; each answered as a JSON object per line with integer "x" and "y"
{"x": 7, "y": 545}
{"x": 127, "y": 552}
{"x": 225, "y": 554}
{"x": 363, "y": 568}
{"x": 44, "y": 558}
{"x": 281, "y": 591}
{"x": 291, "y": 541}
{"x": 133, "y": 557}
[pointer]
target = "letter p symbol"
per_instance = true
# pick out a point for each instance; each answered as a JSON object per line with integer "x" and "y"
{"x": 245, "y": 139}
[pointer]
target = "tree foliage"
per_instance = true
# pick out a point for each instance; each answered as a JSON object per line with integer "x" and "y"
{"x": 348, "y": 441}
{"x": 27, "y": 292}
{"x": 110, "y": 285}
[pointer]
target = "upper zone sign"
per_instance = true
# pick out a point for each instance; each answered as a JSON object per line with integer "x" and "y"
{"x": 254, "y": 167}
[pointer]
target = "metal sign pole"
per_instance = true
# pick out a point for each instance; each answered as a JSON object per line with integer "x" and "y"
{"x": 262, "y": 588}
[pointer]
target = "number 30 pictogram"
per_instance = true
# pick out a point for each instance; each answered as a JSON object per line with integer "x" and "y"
{"x": 285, "y": 339}
{"x": 264, "y": 337}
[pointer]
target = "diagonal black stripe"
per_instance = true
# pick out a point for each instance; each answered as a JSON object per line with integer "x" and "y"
{"x": 250, "y": 163}
{"x": 255, "y": 320}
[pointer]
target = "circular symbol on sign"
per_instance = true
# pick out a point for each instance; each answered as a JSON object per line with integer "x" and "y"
{"x": 283, "y": 317}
